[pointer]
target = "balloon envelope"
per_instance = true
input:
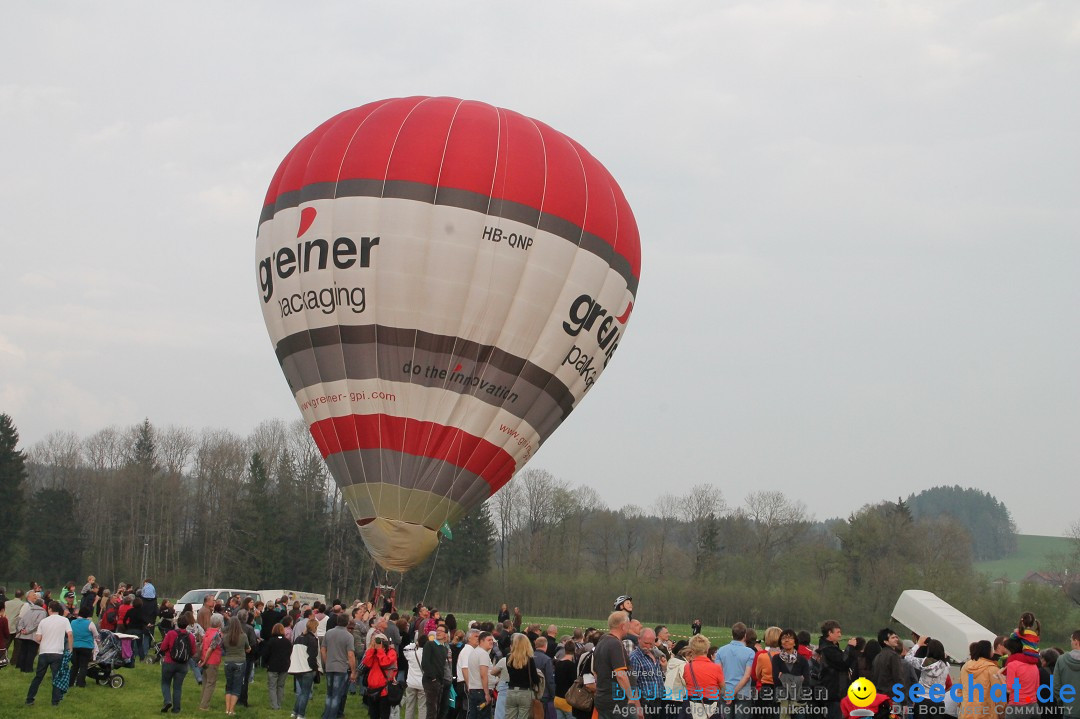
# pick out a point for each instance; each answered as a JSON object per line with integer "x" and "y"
{"x": 443, "y": 281}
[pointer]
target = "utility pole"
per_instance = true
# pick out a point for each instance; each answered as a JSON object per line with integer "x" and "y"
{"x": 145, "y": 553}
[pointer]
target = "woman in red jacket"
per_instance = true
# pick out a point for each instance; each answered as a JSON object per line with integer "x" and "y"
{"x": 381, "y": 661}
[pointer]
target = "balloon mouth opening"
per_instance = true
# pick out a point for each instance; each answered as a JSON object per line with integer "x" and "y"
{"x": 365, "y": 521}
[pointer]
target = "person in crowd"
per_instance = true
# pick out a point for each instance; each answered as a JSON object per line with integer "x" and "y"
{"x": 1027, "y": 631}
{"x": 246, "y": 620}
{"x": 177, "y": 649}
{"x": 565, "y": 671}
{"x": 520, "y": 678}
{"x": 278, "y": 654}
{"x": 869, "y": 653}
{"x": 704, "y": 678}
{"x": 304, "y": 666}
{"x": 791, "y": 673}
{"x": 415, "y": 700}
{"x": 53, "y": 635}
{"x": 517, "y": 619}
{"x": 339, "y": 663}
{"x": 89, "y": 593}
{"x": 1067, "y": 673}
{"x": 545, "y": 666}
{"x": 149, "y": 608}
{"x": 166, "y": 616}
{"x": 504, "y": 613}
{"x": 647, "y": 669}
{"x": 762, "y": 674}
{"x": 611, "y": 663}
{"x": 737, "y": 660}
{"x": 206, "y": 611}
{"x": 836, "y": 666}
{"x": 932, "y": 669}
{"x": 676, "y": 704}
{"x": 1022, "y": 672}
{"x": 26, "y": 631}
{"x": 381, "y": 661}
{"x": 695, "y": 627}
{"x": 432, "y": 662}
{"x": 84, "y": 639}
{"x": 108, "y": 610}
{"x": 198, "y": 634}
{"x": 885, "y": 669}
{"x": 479, "y": 669}
{"x": 13, "y": 607}
{"x": 470, "y": 639}
{"x": 236, "y": 647}
{"x": 977, "y": 679}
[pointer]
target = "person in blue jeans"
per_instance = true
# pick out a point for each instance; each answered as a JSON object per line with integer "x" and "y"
{"x": 53, "y": 634}
{"x": 305, "y": 679}
{"x": 339, "y": 660}
{"x": 236, "y": 648}
{"x": 173, "y": 673}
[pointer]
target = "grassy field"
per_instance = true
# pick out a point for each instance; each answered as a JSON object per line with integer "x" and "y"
{"x": 1033, "y": 553}
{"x": 141, "y": 697}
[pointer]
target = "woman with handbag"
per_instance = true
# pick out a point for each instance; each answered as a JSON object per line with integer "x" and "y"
{"x": 704, "y": 679}
{"x": 565, "y": 674}
{"x": 303, "y": 665}
{"x": 521, "y": 678}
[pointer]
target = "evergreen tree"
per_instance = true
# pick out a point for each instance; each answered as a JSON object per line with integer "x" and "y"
{"x": 12, "y": 479}
{"x": 52, "y": 537}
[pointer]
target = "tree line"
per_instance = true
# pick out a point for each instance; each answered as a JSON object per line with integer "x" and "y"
{"x": 212, "y": 508}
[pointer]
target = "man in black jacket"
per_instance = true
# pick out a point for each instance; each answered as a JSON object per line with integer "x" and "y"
{"x": 433, "y": 672}
{"x": 886, "y": 670}
{"x": 836, "y": 665}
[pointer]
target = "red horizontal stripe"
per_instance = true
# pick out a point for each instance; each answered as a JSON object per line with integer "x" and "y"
{"x": 466, "y": 145}
{"x": 420, "y": 439}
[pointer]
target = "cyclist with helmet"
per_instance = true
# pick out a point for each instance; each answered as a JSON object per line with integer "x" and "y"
{"x": 625, "y": 603}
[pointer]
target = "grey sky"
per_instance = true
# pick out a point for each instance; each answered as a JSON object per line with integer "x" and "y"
{"x": 860, "y": 224}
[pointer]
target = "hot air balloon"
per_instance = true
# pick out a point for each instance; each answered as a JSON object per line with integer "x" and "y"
{"x": 443, "y": 282}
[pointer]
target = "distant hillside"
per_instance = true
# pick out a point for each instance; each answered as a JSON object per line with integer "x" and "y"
{"x": 1033, "y": 552}
{"x": 986, "y": 518}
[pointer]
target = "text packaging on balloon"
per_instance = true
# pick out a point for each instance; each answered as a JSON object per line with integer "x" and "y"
{"x": 584, "y": 312}
{"x": 316, "y": 254}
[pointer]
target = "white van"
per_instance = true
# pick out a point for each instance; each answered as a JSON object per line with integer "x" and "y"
{"x": 195, "y": 597}
{"x": 269, "y": 595}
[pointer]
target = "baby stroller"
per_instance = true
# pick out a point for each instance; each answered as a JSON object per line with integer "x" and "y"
{"x": 109, "y": 658}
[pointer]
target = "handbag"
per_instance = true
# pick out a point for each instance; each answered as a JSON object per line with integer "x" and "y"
{"x": 394, "y": 693}
{"x": 537, "y": 710}
{"x": 579, "y": 697}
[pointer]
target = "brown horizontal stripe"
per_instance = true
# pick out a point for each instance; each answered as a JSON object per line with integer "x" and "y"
{"x": 341, "y": 352}
{"x": 464, "y": 199}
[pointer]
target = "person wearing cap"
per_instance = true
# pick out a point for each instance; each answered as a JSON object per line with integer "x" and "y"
{"x": 625, "y": 603}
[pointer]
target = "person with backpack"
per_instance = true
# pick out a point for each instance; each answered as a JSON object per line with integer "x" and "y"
{"x": 177, "y": 648}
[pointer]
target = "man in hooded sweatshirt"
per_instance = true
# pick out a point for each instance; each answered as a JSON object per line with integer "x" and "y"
{"x": 1067, "y": 673}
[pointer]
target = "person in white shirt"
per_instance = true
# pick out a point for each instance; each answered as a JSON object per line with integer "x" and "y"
{"x": 54, "y": 637}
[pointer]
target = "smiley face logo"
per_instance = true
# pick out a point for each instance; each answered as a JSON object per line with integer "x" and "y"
{"x": 862, "y": 692}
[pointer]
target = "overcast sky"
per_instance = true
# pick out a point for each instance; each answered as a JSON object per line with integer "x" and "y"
{"x": 860, "y": 224}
